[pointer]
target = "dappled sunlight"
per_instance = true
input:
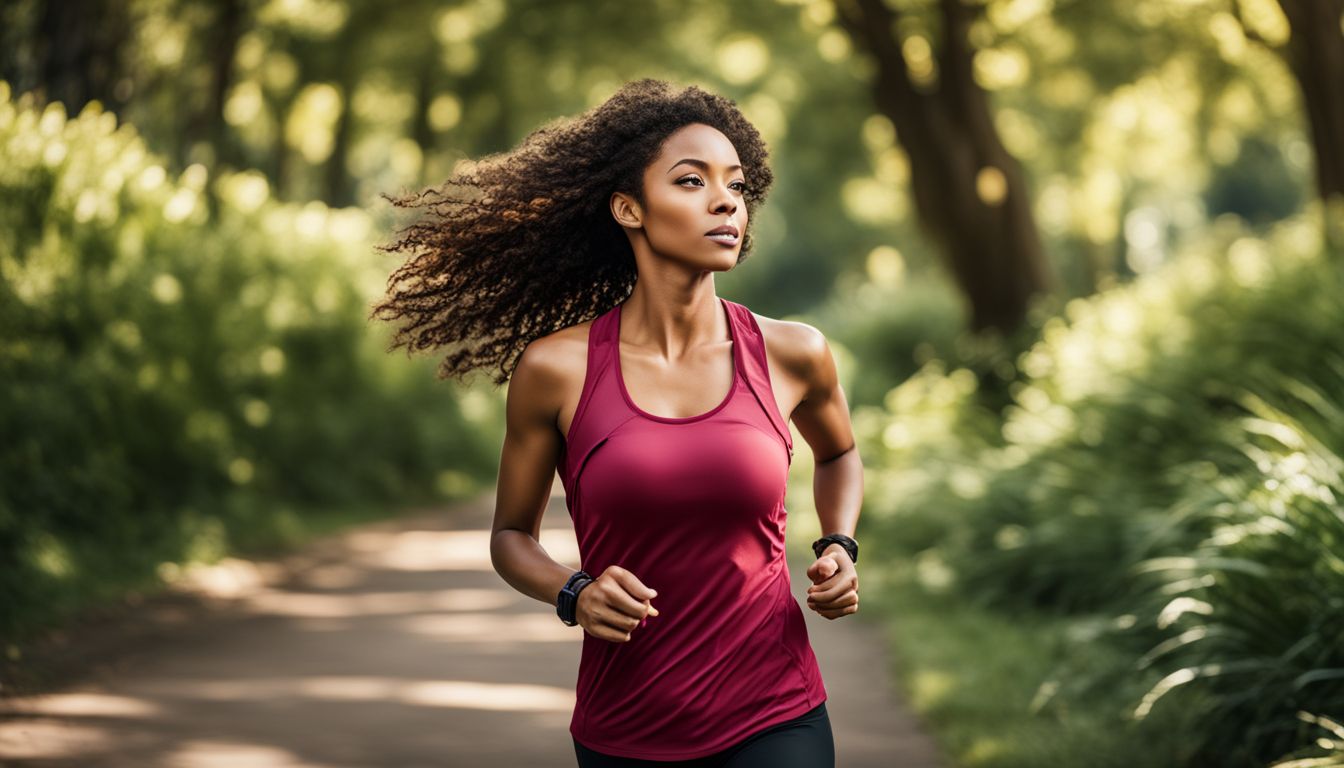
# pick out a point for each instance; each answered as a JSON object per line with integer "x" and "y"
{"x": 999, "y": 68}
{"x": 464, "y": 550}
{"x": 370, "y": 689}
{"x": 216, "y": 753}
{"x": 510, "y": 698}
{"x": 467, "y": 550}
{"x": 931, "y": 686}
{"x": 311, "y": 124}
{"x": 28, "y": 734}
{"x": 886, "y": 267}
{"x": 742, "y": 58}
{"x": 505, "y": 631}
{"x": 320, "y": 18}
{"x": 1057, "y": 249}
{"x": 82, "y": 704}
{"x": 1020, "y": 133}
{"x": 919, "y": 58}
{"x": 246, "y": 190}
{"x": 229, "y": 577}
{"x": 28, "y": 740}
{"x": 871, "y": 201}
{"x": 340, "y": 606}
{"x": 1193, "y": 412}
{"x": 986, "y": 749}
{"x": 333, "y": 576}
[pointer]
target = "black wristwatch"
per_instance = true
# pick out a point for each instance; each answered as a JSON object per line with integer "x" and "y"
{"x": 851, "y": 546}
{"x": 567, "y": 602}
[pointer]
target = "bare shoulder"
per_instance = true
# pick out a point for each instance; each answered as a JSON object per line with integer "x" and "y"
{"x": 549, "y": 361}
{"x": 549, "y": 375}
{"x": 796, "y": 347}
{"x": 801, "y": 367}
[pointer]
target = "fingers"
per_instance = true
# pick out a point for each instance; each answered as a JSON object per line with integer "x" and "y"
{"x": 631, "y": 583}
{"x": 837, "y": 599}
{"x": 823, "y": 569}
{"x": 846, "y": 599}
{"x": 600, "y": 619}
{"x": 613, "y": 611}
{"x": 620, "y": 601}
{"x": 839, "y": 612}
{"x": 843, "y": 606}
{"x": 830, "y": 593}
{"x": 630, "y": 597}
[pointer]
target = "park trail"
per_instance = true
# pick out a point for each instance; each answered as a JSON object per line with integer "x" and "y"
{"x": 389, "y": 644}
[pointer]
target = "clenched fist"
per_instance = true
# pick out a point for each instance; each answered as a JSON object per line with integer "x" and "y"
{"x": 835, "y": 584}
{"x": 614, "y": 605}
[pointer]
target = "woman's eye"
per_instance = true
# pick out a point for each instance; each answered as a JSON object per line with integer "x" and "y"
{"x": 741, "y": 185}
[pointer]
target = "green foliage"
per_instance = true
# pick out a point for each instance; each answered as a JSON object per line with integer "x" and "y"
{"x": 1254, "y": 615}
{"x": 180, "y": 383}
{"x": 1167, "y": 476}
{"x": 975, "y": 676}
{"x": 1259, "y": 186}
{"x": 1111, "y": 107}
{"x": 893, "y": 331}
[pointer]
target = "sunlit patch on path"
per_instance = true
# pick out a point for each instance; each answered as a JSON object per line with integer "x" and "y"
{"x": 392, "y": 645}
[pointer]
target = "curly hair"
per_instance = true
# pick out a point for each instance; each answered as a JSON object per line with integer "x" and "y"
{"x": 522, "y": 243}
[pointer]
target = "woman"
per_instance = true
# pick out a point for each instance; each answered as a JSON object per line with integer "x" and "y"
{"x": 592, "y": 249}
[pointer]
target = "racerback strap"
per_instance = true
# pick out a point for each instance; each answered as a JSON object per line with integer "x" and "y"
{"x": 757, "y": 373}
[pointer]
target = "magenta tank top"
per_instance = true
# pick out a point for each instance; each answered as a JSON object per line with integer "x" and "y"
{"x": 694, "y": 507}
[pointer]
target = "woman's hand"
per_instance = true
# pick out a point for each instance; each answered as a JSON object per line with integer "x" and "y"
{"x": 835, "y": 584}
{"x": 614, "y": 605}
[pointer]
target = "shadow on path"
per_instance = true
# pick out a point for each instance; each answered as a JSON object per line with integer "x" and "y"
{"x": 392, "y": 644}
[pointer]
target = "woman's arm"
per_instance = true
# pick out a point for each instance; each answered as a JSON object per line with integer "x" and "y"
{"x": 526, "y": 472}
{"x": 823, "y": 421}
{"x": 616, "y": 602}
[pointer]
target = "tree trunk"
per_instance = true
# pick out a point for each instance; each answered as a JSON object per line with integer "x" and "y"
{"x": 1315, "y": 53}
{"x": 223, "y": 49}
{"x": 421, "y": 130}
{"x": 989, "y": 241}
{"x": 279, "y": 159}
{"x": 79, "y": 52}
{"x": 338, "y": 185}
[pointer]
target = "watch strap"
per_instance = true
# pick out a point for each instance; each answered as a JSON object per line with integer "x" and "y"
{"x": 851, "y": 546}
{"x": 567, "y": 601}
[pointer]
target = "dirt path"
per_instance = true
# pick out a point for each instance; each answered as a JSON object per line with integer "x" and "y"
{"x": 395, "y": 644}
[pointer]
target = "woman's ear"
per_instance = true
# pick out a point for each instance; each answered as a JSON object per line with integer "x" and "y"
{"x": 625, "y": 209}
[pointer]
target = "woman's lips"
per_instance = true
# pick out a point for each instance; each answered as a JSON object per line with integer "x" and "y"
{"x": 723, "y": 239}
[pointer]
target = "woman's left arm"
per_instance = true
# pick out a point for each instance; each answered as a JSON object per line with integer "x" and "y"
{"x": 823, "y": 420}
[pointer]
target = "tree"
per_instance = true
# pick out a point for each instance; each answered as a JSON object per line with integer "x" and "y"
{"x": 969, "y": 191}
{"x": 1314, "y": 51}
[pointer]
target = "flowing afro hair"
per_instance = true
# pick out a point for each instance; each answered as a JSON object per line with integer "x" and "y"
{"x": 522, "y": 243}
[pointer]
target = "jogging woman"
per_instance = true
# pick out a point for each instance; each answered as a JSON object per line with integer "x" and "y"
{"x": 589, "y": 252}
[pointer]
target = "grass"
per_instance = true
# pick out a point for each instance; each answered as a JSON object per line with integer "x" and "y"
{"x": 995, "y": 692}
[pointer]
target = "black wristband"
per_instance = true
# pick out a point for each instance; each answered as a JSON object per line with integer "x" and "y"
{"x": 567, "y": 602}
{"x": 851, "y": 546}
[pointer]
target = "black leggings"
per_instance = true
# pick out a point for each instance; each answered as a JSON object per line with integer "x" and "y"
{"x": 803, "y": 742}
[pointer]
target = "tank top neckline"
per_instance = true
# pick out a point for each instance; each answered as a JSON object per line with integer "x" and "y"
{"x": 732, "y": 388}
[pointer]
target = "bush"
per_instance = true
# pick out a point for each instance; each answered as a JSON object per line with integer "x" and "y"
{"x": 184, "y": 360}
{"x": 1168, "y": 474}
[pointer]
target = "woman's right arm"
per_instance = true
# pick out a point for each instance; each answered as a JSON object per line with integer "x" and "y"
{"x": 526, "y": 471}
{"x": 532, "y": 442}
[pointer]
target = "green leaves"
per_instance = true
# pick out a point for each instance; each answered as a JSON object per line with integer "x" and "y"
{"x": 176, "y": 380}
{"x": 1174, "y": 460}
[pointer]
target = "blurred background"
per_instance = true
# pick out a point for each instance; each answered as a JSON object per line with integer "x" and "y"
{"x": 1079, "y": 260}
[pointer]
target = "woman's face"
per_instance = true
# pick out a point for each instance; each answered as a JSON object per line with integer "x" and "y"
{"x": 694, "y": 185}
